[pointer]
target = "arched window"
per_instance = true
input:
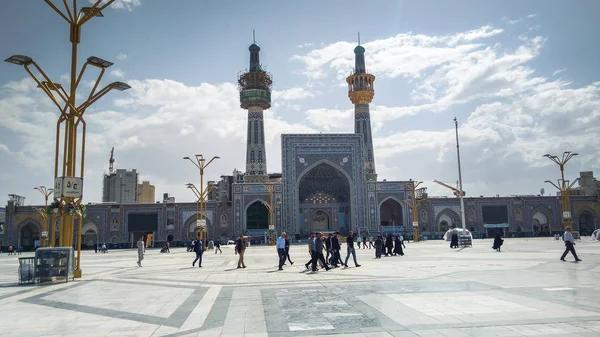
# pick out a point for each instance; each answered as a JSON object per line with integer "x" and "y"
{"x": 252, "y": 160}
{"x": 260, "y": 156}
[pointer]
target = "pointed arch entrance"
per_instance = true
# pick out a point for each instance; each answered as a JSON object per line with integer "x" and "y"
{"x": 390, "y": 213}
{"x": 585, "y": 223}
{"x": 320, "y": 221}
{"x": 257, "y": 216}
{"x": 324, "y": 193}
{"x": 29, "y": 234}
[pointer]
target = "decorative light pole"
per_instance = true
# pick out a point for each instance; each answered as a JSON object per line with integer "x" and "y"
{"x": 46, "y": 192}
{"x": 563, "y": 186}
{"x": 414, "y": 204}
{"x": 68, "y": 185}
{"x": 201, "y": 194}
{"x": 460, "y": 187}
{"x": 271, "y": 207}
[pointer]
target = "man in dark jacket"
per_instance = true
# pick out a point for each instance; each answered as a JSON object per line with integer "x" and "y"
{"x": 317, "y": 253}
{"x": 328, "y": 247}
{"x": 198, "y": 247}
{"x": 240, "y": 249}
{"x": 335, "y": 250}
{"x": 389, "y": 244}
{"x": 350, "y": 249}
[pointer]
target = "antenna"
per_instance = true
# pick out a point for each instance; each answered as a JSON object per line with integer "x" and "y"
{"x": 253, "y": 36}
{"x": 359, "y": 38}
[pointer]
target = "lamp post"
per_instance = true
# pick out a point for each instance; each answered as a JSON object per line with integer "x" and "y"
{"x": 462, "y": 199}
{"x": 201, "y": 194}
{"x": 271, "y": 207}
{"x": 563, "y": 186}
{"x": 46, "y": 192}
{"x": 68, "y": 185}
{"x": 414, "y": 204}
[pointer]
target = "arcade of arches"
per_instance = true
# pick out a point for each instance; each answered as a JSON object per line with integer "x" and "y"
{"x": 390, "y": 213}
{"x": 322, "y": 191}
{"x": 540, "y": 222}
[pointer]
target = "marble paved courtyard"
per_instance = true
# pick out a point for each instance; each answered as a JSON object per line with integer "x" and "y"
{"x": 431, "y": 291}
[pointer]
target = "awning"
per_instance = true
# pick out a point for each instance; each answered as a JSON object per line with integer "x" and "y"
{"x": 495, "y": 225}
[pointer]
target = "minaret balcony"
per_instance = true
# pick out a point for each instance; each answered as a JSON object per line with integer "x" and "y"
{"x": 255, "y": 97}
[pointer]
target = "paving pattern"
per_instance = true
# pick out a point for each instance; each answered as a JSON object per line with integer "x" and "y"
{"x": 430, "y": 291}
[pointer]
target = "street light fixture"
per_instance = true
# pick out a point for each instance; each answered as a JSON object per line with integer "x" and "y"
{"x": 563, "y": 186}
{"x": 98, "y": 62}
{"x": 201, "y": 164}
{"x": 69, "y": 181}
{"x": 46, "y": 192}
{"x": 121, "y": 86}
{"x": 19, "y": 60}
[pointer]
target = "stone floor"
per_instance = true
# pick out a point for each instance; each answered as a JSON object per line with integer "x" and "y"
{"x": 431, "y": 291}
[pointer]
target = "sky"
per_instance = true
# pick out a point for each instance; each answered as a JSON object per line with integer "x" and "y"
{"x": 521, "y": 77}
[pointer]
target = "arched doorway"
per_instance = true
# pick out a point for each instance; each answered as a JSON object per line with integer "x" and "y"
{"x": 170, "y": 238}
{"x": 90, "y": 235}
{"x": 192, "y": 227}
{"x": 539, "y": 223}
{"x": 586, "y": 223}
{"x": 319, "y": 221}
{"x": 446, "y": 219}
{"x": 257, "y": 216}
{"x": 390, "y": 213}
{"x": 28, "y": 235}
{"x": 324, "y": 187}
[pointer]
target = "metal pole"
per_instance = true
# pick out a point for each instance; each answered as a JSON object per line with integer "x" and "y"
{"x": 462, "y": 201}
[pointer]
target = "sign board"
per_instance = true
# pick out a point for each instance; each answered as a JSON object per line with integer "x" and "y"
{"x": 415, "y": 224}
{"x": 45, "y": 234}
{"x": 272, "y": 227}
{"x": 201, "y": 223}
{"x": 566, "y": 215}
{"x": 68, "y": 187}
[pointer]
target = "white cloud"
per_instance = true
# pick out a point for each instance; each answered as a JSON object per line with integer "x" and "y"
{"x": 123, "y": 4}
{"x": 121, "y": 56}
{"x": 305, "y": 45}
{"x": 291, "y": 94}
{"x": 558, "y": 72}
{"x": 118, "y": 73}
{"x": 402, "y": 55}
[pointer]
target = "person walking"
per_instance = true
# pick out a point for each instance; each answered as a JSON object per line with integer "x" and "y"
{"x": 311, "y": 243}
{"x": 350, "y": 249}
{"x": 569, "y": 245}
{"x": 335, "y": 250}
{"x": 218, "y": 246}
{"x": 198, "y": 249}
{"x": 364, "y": 241}
{"x": 318, "y": 252}
{"x": 287, "y": 249}
{"x": 378, "y": 247}
{"x": 328, "y": 248}
{"x": 498, "y": 242}
{"x": 398, "y": 247}
{"x": 240, "y": 249}
{"x": 280, "y": 244}
{"x": 140, "y": 251}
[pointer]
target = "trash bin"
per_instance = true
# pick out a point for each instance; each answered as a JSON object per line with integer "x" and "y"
{"x": 26, "y": 270}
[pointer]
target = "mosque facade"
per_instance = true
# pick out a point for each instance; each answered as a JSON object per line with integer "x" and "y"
{"x": 328, "y": 183}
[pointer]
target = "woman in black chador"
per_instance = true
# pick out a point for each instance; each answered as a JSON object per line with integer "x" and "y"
{"x": 454, "y": 240}
{"x": 378, "y": 247}
{"x": 497, "y": 242}
{"x": 398, "y": 246}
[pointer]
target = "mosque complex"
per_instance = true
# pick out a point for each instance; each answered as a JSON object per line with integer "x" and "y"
{"x": 328, "y": 183}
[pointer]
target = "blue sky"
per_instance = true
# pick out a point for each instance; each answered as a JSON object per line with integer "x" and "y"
{"x": 522, "y": 78}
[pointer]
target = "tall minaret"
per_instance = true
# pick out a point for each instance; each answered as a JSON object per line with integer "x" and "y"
{"x": 255, "y": 96}
{"x": 360, "y": 91}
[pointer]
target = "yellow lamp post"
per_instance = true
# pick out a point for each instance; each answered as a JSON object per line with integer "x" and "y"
{"x": 271, "y": 207}
{"x": 563, "y": 186}
{"x": 68, "y": 184}
{"x": 199, "y": 201}
{"x": 46, "y": 192}
{"x": 201, "y": 194}
{"x": 414, "y": 204}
